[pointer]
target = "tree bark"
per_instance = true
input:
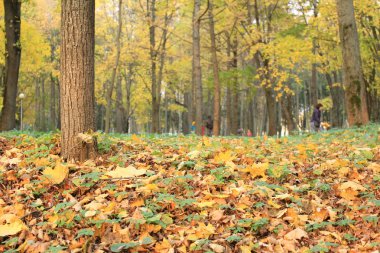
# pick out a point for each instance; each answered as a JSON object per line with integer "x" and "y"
{"x": 42, "y": 101}
{"x": 114, "y": 70}
{"x": 314, "y": 81}
{"x": 287, "y": 112}
{"x": 37, "y": 107}
{"x": 119, "y": 107}
{"x": 235, "y": 89}
{"x": 197, "y": 71}
{"x": 12, "y": 18}
{"x": 216, "y": 127}
{"x": 355, "y": 93}
{"x": 53, "y": 123}
{"x": 336, "y": 101}
{"x": 77, "y": 78}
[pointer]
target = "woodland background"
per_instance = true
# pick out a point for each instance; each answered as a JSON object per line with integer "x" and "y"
{"x": 144, "y": 60}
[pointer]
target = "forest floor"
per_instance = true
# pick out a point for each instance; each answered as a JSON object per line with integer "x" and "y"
{"x": 311, "y": 193}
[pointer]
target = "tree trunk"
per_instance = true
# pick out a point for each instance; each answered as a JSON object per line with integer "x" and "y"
{"x": 53, "y": 123}
{"x": 128, "y": 83}
{"x": 186, "y": 116}
{"x": 313, "y": 83}
{"x": 197, "y": 72}
{"x": 77, "y": 78}
{"x": 119, "y": 107}
{"x": 271, "y": 110}
{"x": 336, "y": 101}
{"x": 356, "y": 94}
{"x": 37, "y": 106}
{"x": 287, "y": 112}
{"x": 12, "y": 18}
{"x": 216, "y": 126}
{"x": 114, "y": 70}
{"x": 43, "y": 115}
{"x": 235, "y": 89}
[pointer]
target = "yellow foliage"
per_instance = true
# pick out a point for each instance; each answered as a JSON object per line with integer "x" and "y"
{"x": 56, "y": 175}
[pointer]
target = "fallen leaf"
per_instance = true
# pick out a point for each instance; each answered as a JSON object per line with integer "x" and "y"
{"x": 128, "y": 172}
{"x": 296, "y": 234}
{"x": 56, "y": 175}
{"x": 10, "y": 224}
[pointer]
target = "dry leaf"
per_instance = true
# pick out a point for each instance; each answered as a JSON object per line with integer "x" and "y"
{"x": 10, "y": 224}
{"x": 128, "y": 172}
{"x": 56, "y": 175}
{"x": 296, "y": 234}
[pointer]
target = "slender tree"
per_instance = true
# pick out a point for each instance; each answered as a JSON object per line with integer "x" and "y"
{"x": 114, "y": 70}
{"x": 197, "y": 71}
{"x": 77, "y": 78}
{"x": 353, "y": 79}
{"x": 12, "y": 17}
{"x": 216, "y": 127}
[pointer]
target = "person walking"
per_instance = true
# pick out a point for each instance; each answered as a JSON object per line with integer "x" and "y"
{"x": 209, "y": 126}
{"x": 315, "y": 122}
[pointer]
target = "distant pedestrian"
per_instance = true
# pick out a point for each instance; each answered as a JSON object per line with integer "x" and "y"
{"x": 209, "y": 126}
{"x": 193, "y": 127}
{"x": 249, "y": 133}
{"x": 241, "y": 132}
{"x": 315, "y": 122}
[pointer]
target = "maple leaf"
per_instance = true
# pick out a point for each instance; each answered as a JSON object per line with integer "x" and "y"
{"x": 257, "y": 170}
{"x": 56, "y": 175}
{"x": 224, "y": 157}
{"x": 10, "y": 224}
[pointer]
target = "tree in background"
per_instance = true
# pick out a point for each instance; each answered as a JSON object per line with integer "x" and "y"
{"x": 77, "y": 78}
{"x": 12, "y": 10}
{"x": 356, "y": 93}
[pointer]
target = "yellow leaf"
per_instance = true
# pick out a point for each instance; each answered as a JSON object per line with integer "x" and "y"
{"x": 56, "y": 175}
{"x": 205, "y": 204}
{"x": 296, "y": 234}
{"x": 349, "y": 194}
{"x": 163, "y": 246}
{"x": 10, "y": 225}
{"x": 41, "y": 162}
{"x": 128, "y": 172}
{"x": 217, "y": 248}
{"x": 353, "y": 185}
{"x": 89, "y": 214}
{"x": 137, "y": 203}
{"x": 245, "y": 249}
{"x": 270, "y": 202}
{"x": 224, "y": 157}
{"x": 217, "y": 215}
{"x": 257, "y": 170}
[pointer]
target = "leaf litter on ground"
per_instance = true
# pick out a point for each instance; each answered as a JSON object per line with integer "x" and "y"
{"x": 310, "y": 193}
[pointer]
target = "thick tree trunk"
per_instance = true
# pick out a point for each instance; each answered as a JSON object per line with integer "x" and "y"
{"x": 287, "y": 112}
{"x": 12, "y": 17}
{"x": 114, "y": 70}
{"x": 336, "y": 101}
{"x": 216, "y": 127}
{"x": 77, "y": 78}
{"x": 197, "y": 72}
{"x": 271, "y": 110}
{"x": 356, "y": 94}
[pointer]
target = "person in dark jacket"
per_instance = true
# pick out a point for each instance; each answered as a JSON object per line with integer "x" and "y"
{"x": 209, "y": 125}
{"x": 315, "y": 122}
